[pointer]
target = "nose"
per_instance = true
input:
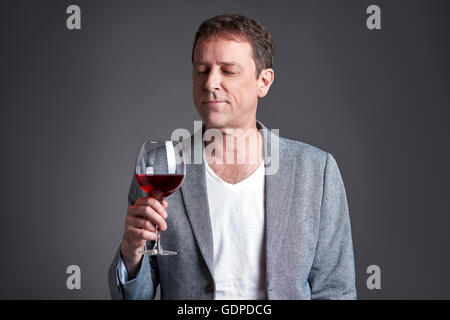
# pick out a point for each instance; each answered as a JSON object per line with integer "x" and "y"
{"x": 213, "y": 80}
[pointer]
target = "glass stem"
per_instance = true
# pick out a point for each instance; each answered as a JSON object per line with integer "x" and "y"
{"x": 157, "y": 246}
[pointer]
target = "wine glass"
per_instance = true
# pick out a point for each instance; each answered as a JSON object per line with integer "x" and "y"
{"x": 160, "y": 171}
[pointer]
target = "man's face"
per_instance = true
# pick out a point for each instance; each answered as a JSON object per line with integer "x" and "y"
{"x": 225, "y": 84}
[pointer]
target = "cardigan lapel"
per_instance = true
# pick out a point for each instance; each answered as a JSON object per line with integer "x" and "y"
{"x": 278, "y": 188}
{"x": 196, "y": 201}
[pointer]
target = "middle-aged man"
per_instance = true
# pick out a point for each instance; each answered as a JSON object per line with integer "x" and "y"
{"x": 240, "y": 231}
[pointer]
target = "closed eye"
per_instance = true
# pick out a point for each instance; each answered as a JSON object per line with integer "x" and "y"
{"x": 224, "y": 71}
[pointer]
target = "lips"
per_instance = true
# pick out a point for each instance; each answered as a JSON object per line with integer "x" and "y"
{"x": 213, "y": 101}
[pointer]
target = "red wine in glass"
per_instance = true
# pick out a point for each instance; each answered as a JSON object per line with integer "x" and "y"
{"x": 159, "y": 186}
{"x": 160, "y": 170}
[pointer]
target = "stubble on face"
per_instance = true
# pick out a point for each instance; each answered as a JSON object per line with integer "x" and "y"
{"x": 225, "y": 86}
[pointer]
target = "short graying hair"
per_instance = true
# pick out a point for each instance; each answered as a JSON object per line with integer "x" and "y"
{"x": 237, "y": 26}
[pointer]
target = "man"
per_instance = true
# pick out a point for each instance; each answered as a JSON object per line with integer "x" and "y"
{"x": 240, "y": 232}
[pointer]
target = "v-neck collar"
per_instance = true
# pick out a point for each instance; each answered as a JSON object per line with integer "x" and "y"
{"x": 238, "y": 185}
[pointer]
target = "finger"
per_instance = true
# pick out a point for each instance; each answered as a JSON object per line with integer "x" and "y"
{"x": 138, "y": 234}
{"x": 154, "y": 217}
{"x": 147, "y": 201}
{"x": 155, "y": 204}
{"x": 146, "y": 212}
{"x": 139, "y": 222}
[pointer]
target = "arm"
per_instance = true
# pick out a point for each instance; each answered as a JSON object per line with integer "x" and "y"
{"x": 332, "y": 274}
{"x": 141, "y": 287}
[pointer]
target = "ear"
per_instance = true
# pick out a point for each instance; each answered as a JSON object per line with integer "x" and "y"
{"x": 265, "y": 80}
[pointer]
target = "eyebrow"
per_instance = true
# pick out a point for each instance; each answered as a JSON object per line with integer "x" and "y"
{"x": 222, "y": 63}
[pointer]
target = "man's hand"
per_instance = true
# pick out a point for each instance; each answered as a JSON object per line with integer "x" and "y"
{"x": 139, "y": 227}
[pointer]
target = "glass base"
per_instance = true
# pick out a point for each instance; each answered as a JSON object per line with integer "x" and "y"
{"x": 156, "y": 252}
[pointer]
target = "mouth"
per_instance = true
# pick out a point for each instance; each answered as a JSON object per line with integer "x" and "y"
{"x": 213, "y": 102}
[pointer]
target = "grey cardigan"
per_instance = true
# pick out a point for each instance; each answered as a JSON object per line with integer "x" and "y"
{"x": 309, "y": 251}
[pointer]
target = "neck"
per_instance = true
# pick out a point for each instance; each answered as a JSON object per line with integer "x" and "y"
{"x": 235, "y": 146}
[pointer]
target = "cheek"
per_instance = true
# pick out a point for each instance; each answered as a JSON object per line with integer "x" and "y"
{"x": 243, "y": 91}
{"x": 236, "y": 88}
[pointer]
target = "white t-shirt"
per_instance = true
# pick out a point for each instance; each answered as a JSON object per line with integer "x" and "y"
{"x": 237, "y": 221}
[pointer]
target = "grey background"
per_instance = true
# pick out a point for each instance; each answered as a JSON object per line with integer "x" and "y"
{"x": 75, "y": 104}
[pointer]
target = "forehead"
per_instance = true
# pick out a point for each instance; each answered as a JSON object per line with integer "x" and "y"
{"x": 218, "y": 50}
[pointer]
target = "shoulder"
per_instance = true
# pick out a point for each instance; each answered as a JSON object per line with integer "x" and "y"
{"x": 313, "y": 161}
{"x": 304, "y": 152}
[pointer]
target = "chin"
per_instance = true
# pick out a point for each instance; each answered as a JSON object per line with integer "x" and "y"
{"x": 215, "y": 124}
{"x": 215, "y": 121}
